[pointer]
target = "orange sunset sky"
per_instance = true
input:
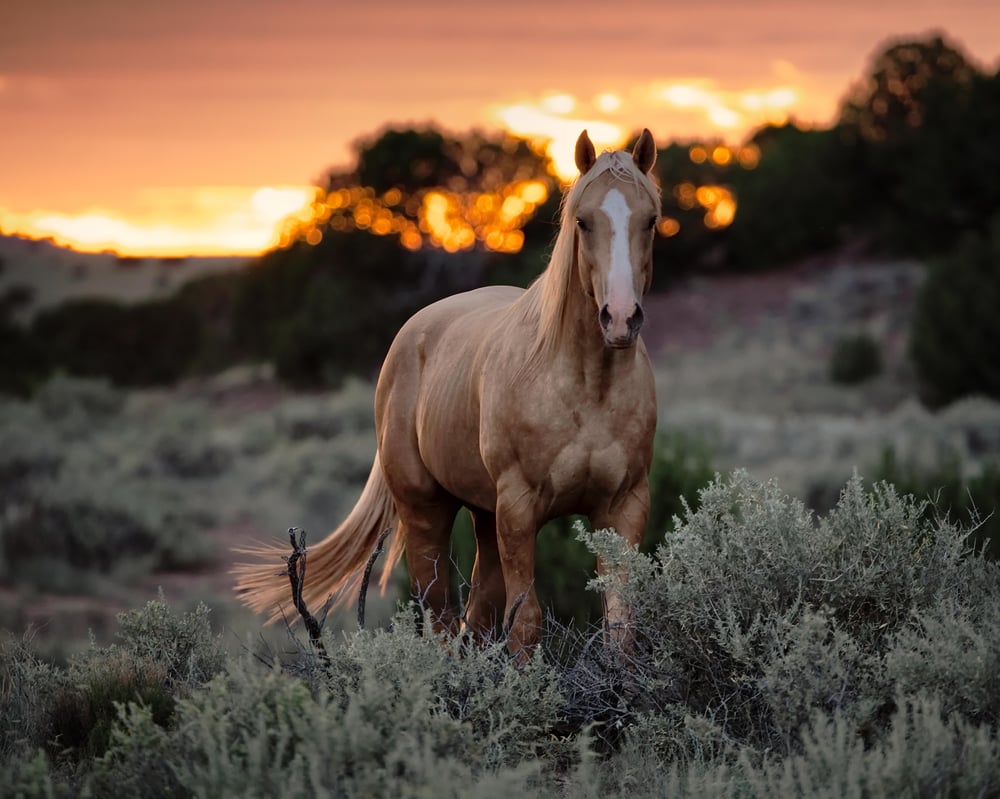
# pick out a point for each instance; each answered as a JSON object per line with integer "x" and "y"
{"x": 183, "y": 127}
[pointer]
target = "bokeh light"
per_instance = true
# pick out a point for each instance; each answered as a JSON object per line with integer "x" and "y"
{"x": 450, "y": 220}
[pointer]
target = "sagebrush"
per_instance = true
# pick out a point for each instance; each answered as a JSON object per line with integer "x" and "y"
{"x": 773, "y": 653}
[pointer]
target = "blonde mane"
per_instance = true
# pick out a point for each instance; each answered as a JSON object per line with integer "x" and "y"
{"x": 544, "y": 303}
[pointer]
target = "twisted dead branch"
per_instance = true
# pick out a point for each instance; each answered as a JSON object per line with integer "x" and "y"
{"x": 296, "y": 571}
{"x": 366, "y": 578}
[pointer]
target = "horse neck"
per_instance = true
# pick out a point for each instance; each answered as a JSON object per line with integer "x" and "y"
{"x": 582, "y": 350}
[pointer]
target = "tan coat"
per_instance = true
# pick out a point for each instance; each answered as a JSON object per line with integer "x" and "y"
{"x": 521, "y": 405}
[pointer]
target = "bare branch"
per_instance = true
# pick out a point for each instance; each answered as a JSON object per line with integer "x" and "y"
{"x": 363, "y": 593}
{"x": 296, "y": 572}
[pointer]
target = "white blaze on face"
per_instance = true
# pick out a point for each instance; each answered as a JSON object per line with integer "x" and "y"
{"x": 619, "y": 290}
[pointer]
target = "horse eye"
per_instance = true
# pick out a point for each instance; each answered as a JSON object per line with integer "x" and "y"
{"x": 582, "y": 225}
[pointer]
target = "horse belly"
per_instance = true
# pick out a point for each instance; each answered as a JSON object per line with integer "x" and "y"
{"x": 450, "y": 451}
{"x": 447, "y": 423}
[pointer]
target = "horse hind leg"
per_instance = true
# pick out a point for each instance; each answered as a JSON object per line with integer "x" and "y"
{"x": 426, "y": 528}
{"x": 426, "y": 513}
{"x": 487, "y": 594}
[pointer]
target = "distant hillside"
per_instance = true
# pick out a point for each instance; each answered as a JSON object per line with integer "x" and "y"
{"x": 51, "y": 274}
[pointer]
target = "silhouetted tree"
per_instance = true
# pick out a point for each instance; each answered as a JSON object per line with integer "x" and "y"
{"x": 149, "y": 343}
{"x": 801, "y": 198}
{"x": 694, "y": 244}
{"x": 412, "y": 159}
{"x": 921, "y": 124}
{"x": 24, "y": 363}
{"x": 323, "y": 311}
{"x": 892, "y": 100}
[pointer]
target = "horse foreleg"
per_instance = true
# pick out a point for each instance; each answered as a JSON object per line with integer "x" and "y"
{"x": 517, "y": 526}
{"x": 487, "y": 595}
{"x": 628, "y": 517}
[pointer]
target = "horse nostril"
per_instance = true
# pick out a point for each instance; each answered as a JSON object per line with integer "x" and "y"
{"x": 604, "y": 317}
{"x": 634, "y": 322}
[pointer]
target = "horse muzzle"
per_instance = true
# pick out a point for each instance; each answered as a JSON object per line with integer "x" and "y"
{"x": 620, "y": 331}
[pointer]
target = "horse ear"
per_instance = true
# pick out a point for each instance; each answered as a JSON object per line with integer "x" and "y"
{"x": 644, "y": 152}
{"x": 585, "y": 153}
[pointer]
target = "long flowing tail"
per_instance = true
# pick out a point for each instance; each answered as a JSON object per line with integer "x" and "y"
{"x": 334, "y": 565}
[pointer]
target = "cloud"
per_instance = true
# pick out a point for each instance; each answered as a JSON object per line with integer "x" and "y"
{"x": 559, "y": 131}
{"x": 682, "y": 107}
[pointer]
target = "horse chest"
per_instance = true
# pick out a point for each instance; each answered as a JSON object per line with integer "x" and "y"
{"x": 582, "y": 455}
{"x": 585, "y": 468}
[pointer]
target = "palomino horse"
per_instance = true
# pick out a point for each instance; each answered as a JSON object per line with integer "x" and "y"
{"x": 521, "y": 405}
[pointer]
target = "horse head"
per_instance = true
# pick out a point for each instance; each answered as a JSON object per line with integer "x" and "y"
{"x": 616, "y": 211}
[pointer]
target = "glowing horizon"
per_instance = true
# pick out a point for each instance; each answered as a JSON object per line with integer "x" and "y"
{"x": 214, "y": 220}
{"x": 225, "y": 220}
{"x": 226, "y": 99}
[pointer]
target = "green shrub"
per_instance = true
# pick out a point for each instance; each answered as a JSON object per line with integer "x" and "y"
{"x": 85, "y": 710}
{"x": 77, "y": 405}
{"x": 33, "y": 778}
{"x": 322, "y": 313}
{"x": 921, "y": 103}
{"x": 681, "y": 468}
{"x": 956, "y": 328}
{"x": 773, "y": 614}
{"x": 181, "y": 643}
{"x": 54, "y": 532}
{"x": 77, "y": 502}
{"x": 801, "y": 199}
{"x": 61, "y": 535}
{"x": 139, "y": 760}
{"x": 210, "y": 299}
{"x": 27, "y": 689}
{"x": 925, "y": 753}
{"x": 774, "y": 654}
{"x": 191, "y": 457}
{"x": 951, "y": 651}
{"x": 855, "y": 358}
{"x": 392, "y": 714}
{"x": 72, "y": 712}
{"x": 973, "y": 502}
{"x": 27, "y": 453}
{"x": 184, "y": 446}
{"x": 346, "y": 411}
